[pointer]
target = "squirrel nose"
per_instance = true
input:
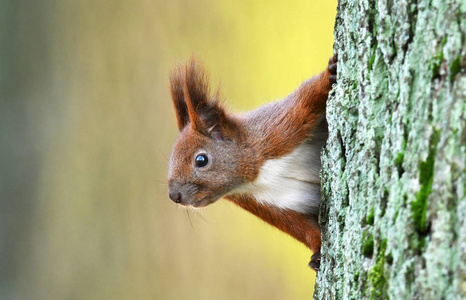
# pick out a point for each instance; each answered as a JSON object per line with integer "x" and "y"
{"x": 175, "y": 196}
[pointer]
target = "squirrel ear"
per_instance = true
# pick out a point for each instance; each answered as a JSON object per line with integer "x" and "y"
{"x": 194, "y": 104}
{"x": 176, "y": 89}
{"x": 205, "y": 114}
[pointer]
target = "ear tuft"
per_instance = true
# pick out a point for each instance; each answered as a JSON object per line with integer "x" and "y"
{"x": 190, "y": 92}
{"x": 196, "y": 94}
{"x": 194, "y": 104}
{"x": 205, "y": 113}
{"x": 177, "y": 76}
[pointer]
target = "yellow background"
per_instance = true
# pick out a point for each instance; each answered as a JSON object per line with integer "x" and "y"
{"x": 87, "y": 129}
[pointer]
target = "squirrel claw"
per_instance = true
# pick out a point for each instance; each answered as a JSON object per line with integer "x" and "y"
{"x": 315, "y": 261}
{"x": 332, "y": 68}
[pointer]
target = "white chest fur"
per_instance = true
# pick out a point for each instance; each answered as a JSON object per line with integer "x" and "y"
{"x": 290, "y": 182}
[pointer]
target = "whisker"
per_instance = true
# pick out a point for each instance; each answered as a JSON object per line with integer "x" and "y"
{"x": 201, "y": 212}
{"x": 163, "y": 154}
{"x": 189, "y": 217}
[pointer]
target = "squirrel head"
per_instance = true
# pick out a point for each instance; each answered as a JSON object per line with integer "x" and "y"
{"x": 210, "y": 157}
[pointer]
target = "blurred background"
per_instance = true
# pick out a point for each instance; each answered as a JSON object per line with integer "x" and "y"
{"x": 86, "y": 129}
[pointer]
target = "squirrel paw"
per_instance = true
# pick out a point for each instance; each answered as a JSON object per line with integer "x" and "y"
{"x": 315, "y": 261}
{"x": 332, "y": 68}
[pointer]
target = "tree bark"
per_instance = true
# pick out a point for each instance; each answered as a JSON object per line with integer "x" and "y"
{"x": 393, "y": 216}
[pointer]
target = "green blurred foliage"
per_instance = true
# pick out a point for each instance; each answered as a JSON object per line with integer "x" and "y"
{"x": 86, "y": 128}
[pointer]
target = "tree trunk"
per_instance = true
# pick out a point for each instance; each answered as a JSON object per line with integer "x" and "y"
{"x": 394, "y": 180}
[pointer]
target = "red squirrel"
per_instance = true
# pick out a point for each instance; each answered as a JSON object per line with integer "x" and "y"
{"x": 266, "y": 161}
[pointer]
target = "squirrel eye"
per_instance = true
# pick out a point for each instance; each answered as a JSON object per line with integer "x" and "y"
{"x": 201, "y": 160}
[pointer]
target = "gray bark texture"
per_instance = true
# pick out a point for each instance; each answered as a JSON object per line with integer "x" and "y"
{"x": 393, "y": 216}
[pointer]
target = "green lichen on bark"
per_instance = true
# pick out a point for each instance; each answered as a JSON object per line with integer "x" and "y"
{"x": 426, "y": 177}
{"x": 377, "y": 275}
{"x": 393, "y": 216}
{"x": 370, "y": 217}
{"x": 367, "y": 245}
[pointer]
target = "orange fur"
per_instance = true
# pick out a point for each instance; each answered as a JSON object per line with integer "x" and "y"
{"x": 303, "y": 228}
{"x": 291, "y": 120}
